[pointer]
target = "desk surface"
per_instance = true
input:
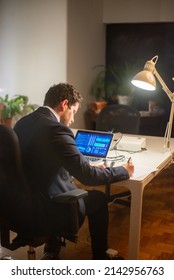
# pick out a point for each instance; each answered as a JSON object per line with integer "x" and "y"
{"x": 151, "y": 161}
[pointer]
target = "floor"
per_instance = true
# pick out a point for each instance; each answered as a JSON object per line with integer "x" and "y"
{"x": 157, "y": 233}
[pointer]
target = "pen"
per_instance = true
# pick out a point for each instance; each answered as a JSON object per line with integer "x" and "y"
{"x": 111, "y": 131}
{"x": 129, "y": 160}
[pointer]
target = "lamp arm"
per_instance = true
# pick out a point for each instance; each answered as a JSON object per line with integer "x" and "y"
{"x": 164, "y": 86}
{"x": 168, "y": 131}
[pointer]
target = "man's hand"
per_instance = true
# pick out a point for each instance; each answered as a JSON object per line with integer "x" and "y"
{"x": 129, "y": 167}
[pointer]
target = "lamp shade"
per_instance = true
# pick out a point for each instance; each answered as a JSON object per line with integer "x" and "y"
{"x": 145, "y": 80}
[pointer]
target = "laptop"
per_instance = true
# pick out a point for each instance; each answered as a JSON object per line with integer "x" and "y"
{"x": 94, "y": 145}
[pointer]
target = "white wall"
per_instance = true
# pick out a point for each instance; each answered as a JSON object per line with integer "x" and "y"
{"x": 120, "y": 11}
{"x": 33, "y": 46}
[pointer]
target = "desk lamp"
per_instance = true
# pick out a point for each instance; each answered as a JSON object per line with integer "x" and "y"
{"x": 146, "y": 80}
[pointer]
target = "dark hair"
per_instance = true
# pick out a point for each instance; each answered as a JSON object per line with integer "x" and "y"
{"x": 60, "y": 92}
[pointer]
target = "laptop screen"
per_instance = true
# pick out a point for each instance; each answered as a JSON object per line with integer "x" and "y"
{"x": 93, "y": 143}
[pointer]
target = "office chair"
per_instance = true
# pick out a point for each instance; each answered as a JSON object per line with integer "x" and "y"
{"x": 124, "y": 119}
{"x": 120, "y": 118}
{"x": 27, "y": 215}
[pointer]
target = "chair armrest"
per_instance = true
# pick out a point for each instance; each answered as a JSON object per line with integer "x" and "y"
{"x": 76, "y": 194}
{"x": 67, "y": 203}
{"x": 68, "y": 206}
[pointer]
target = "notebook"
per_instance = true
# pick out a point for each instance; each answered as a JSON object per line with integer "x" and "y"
{"x": 94, "y": 145}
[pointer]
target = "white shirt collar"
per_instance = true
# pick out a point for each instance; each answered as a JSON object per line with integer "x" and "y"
{"x": 55, "y": 114}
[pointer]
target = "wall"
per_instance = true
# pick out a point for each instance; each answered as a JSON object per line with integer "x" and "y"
{"x": 117, "y": 11}
{"x": 86, "y": 35}
{"x": 34, "y": 53}
{"x": 48, "y": 41}
{"x": 33, "y": 46}
{"x": 86, "y": 48}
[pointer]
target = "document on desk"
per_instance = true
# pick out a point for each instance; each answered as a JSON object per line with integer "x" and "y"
{"x": 141, "y": 171}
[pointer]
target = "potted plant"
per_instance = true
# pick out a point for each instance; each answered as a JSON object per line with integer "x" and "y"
{"x": 125, "y": 89}
{"x": 11, "y": 107}
{"x": 103, "y": 89}
{"x": 113, "y": 83}
{"x": 100, "y": 86}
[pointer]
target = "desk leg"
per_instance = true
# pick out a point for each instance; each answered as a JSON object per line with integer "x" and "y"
{"x": 135, "y": 222}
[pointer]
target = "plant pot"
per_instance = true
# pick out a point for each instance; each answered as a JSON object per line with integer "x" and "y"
{"x": 7, "y": 122}
{"x": 125, "y": 99}
{"x": 98, "y": 105}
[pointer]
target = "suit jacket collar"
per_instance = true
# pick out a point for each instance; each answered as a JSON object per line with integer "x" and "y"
{"x": 46, "y": 111}
{"x": 54, "y": 113}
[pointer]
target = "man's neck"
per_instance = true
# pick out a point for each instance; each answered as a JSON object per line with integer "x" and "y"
{"x": 54, "y": 112}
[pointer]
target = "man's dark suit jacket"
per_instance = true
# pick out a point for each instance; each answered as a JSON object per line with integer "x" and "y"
{"x": 51, "y": 157}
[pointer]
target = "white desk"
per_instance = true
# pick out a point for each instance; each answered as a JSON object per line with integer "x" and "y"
{"x": 154, "y": 158}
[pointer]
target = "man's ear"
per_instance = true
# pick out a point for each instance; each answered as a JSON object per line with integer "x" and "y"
{"x": 63, "y": 105}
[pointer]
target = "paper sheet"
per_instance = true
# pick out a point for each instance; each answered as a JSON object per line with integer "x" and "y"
{"x": 142, "y": 171}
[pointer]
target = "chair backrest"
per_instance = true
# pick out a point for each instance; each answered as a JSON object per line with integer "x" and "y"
{"x": 16, "y": 203}
{"x": 120, "y": 118}
{"x": 29, "y": 215}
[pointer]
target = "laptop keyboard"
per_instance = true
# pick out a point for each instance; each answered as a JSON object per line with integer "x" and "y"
{"x": 94, "y": 160}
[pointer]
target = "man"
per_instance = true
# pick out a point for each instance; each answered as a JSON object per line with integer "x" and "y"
{"x": 51, "y": 159}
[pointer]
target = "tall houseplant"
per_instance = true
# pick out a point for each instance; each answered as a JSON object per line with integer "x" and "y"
{"x": 113, "y": 81}
{"x": 98, "y": 92}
